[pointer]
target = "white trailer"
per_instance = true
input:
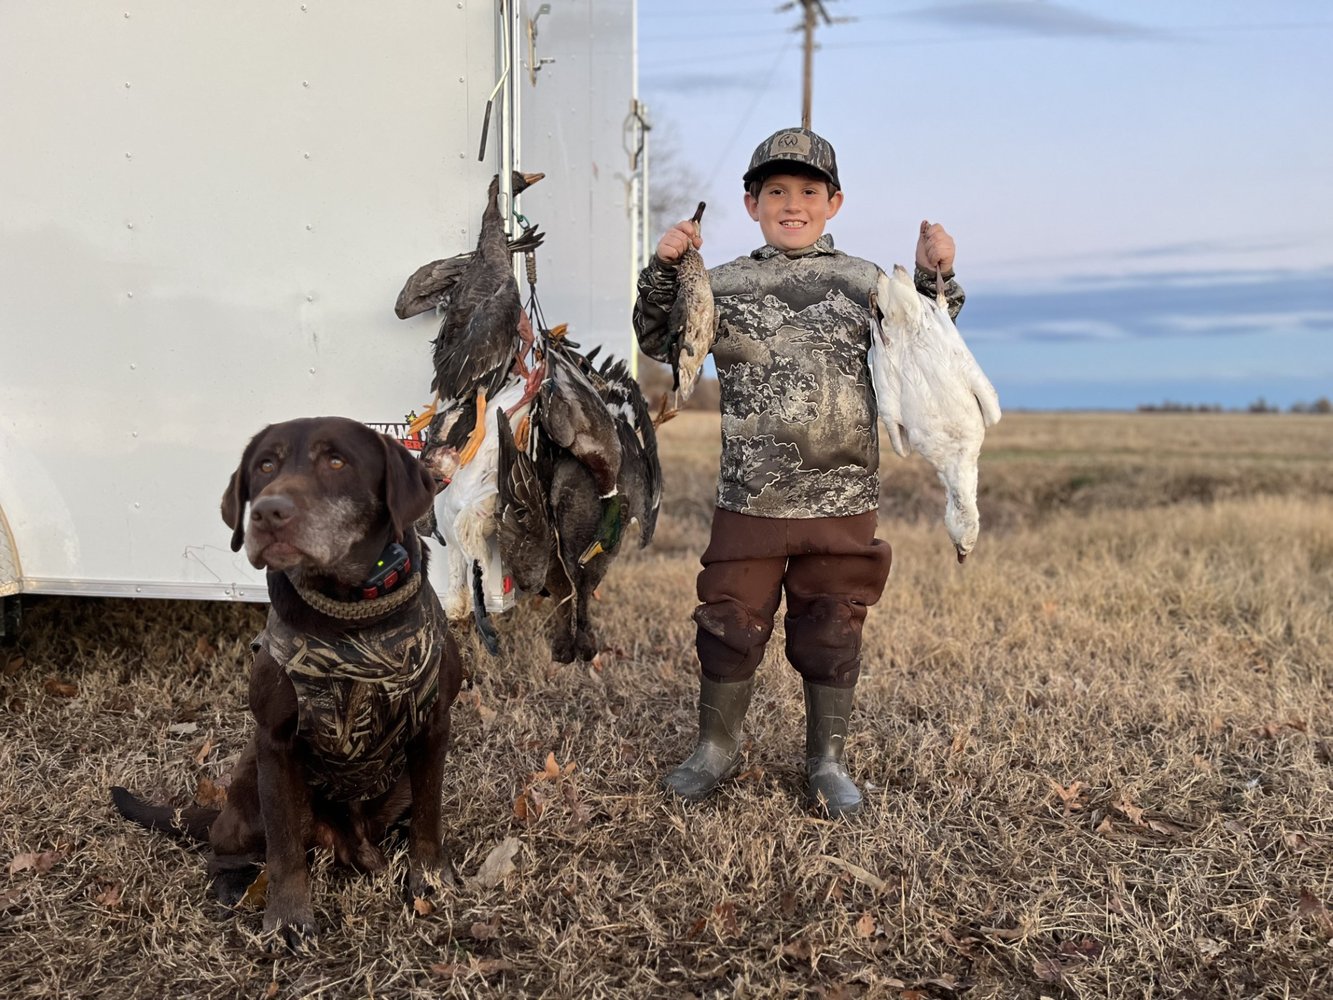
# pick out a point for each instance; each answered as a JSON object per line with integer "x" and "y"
{"x": 206, "y": 212}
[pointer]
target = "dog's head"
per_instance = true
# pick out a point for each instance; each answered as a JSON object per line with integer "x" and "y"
{"x": 326, "y": 494}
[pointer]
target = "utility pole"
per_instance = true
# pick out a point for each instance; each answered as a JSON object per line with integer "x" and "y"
{"x": 812, "y": 11}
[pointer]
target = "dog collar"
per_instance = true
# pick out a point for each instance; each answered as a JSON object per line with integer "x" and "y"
{"x": 391, "y": 585}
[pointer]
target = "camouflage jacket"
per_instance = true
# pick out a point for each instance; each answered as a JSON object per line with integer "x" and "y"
{"x": 362, "y": 694}
{"x": 799, "y": 435}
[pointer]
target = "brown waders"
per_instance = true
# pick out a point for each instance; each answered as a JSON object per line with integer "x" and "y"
{"x": 831, "y": 569}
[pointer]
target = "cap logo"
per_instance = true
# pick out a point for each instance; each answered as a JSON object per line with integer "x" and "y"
{"x": 790, "y": 142}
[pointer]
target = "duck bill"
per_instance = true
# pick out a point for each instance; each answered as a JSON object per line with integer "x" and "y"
{"x": 591, "y": 552}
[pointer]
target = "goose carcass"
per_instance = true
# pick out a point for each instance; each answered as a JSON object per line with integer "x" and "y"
{"x": 692, "y": 324}
{"x": 932, "y": 395}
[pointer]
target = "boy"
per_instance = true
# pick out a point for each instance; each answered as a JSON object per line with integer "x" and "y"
{"x": 798, "y": 490}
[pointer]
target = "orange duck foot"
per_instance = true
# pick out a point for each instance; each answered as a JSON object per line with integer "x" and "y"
{"x": 469, "y": 450}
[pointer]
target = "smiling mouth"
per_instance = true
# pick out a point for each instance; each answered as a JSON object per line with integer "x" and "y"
{"x": 792, "y": 224}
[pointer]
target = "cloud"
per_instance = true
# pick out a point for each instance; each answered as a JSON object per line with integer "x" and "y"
{"x": 1034, "y": 17}
{"x": 1166, "y": 305}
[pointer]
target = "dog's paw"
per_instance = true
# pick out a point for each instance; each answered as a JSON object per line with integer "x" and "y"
{"x": 562, "y": 648}
{"x": 585, "y": 645}
{"x": 425, "y": 879}
{"x": 299, "y": 933}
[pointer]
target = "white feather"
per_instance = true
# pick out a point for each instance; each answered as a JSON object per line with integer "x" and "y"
{"x": 932, "y": 395}
{"x": 465, "y": 510}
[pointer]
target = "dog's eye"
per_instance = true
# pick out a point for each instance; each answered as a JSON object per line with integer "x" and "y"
{"x": 336, "y": 462}
{"x": 267, "y": 466}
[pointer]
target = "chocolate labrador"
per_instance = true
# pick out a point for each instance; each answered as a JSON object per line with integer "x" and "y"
{"x": 353, "y": 674}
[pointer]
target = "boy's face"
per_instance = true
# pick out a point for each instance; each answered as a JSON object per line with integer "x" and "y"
{"x": 792, "y": 210}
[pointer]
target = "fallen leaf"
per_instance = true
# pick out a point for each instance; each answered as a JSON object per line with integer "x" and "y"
{"x": 422, "y": 906}
{"x": 9, "y": 897}
{"x": 577, "y": 810}
{"x": 499, "y": 863}
{"x": 726, "y": 918}
{"x": 1130, "y": 810}
{"x": 109, "y": 896}
{"x": 257, "y": 892}
{"x": 752, "y": 773}
{"x": 482, "y": 931}
{"x": 13, "y": 663}
{"x": 1296, "y": 841}
{"x": 60, "y": 689}
{"x": 865, "y": 926}
{"x": 40, "y": 862}
{"x": 209, "y": 794}
{"x": 857, "y": 872}
{"x": 203, "y": 648}
{"x": 529, "y": 806}
{"x": 272, "y": 989}
{"x": 1048, "y": 970}
{"x": 202, "y": 754}
{"x": 1210, "y": 948}
{"x": 696, "y": 928}
{"x": 800, "y": 950}
{"x": 1071, "y": 797}
{"x": 787, "y": 904}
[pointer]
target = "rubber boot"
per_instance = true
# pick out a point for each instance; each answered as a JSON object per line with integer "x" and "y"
{"x": 831, "y": 789}
{"x": 717, "y": 756}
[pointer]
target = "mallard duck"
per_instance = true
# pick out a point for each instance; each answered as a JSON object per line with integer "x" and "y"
{"x": 931, "y": 394}
{"x": 573, "y": 417}
{"x": 523, "y": 525}
{"x": 640, "y": 471}
{"x": 692, "y": 324}
{"x": 479, "y": 337}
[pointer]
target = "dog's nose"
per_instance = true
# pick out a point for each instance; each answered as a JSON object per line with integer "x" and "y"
{"x": 272, "y": 512}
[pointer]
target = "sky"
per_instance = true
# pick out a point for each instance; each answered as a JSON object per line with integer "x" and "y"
{"x": 1141, "y": 191}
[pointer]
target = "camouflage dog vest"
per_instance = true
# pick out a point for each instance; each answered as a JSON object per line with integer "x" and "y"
{"x": 361, "y": 695}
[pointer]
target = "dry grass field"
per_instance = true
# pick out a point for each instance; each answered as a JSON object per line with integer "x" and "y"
{"x": 1098, "y": 761}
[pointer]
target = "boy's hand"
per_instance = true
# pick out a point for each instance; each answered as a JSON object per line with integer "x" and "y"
{"x": 679, "y": 238}
{"x": 935, "y": 248}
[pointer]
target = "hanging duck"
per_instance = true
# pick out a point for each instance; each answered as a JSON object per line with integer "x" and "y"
{"x": 931, "y": 394}
{"x": 431, "y": 285}
{"x": 479, "y": 337}
{"x": 692, "y": 324}
{"x": 573, "y": 416}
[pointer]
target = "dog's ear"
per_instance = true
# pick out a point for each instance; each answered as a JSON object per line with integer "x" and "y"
{"x": 238, "y": 493}
{"x": 409, "y": 489}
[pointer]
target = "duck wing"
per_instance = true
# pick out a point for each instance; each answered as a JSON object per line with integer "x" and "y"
{"x": 523, "y": 527}
{"x": 431, "y": 285}
{"x": 478, "y": 338}
{"x": 574, "y": 417}
{"x": 885, "y": 359}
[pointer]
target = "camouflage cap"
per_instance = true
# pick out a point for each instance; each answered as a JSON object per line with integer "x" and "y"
{"x": 797, "y": 146}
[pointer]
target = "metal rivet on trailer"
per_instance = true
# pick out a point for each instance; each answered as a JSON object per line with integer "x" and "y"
{"x": 129, "y": 225}
{"x": 306, "y": 155}
{"x": 303, "y": 6}
{"x": 308, "y": 227}
{"x": 312, "y": 371}
{"x": 127, "y": 84}
{"x": 305, "y": 83}
{"x": 132, "y": 367}
{"x": 134, "y": 434}
{"x": 129, "y": 295}
{"x": 136, "y": 505}
{"x": 138, "y": 590}
{"x": 310, "y": 298}
{"x": 462, "y": 79}
{"x": 129, "y": 156}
